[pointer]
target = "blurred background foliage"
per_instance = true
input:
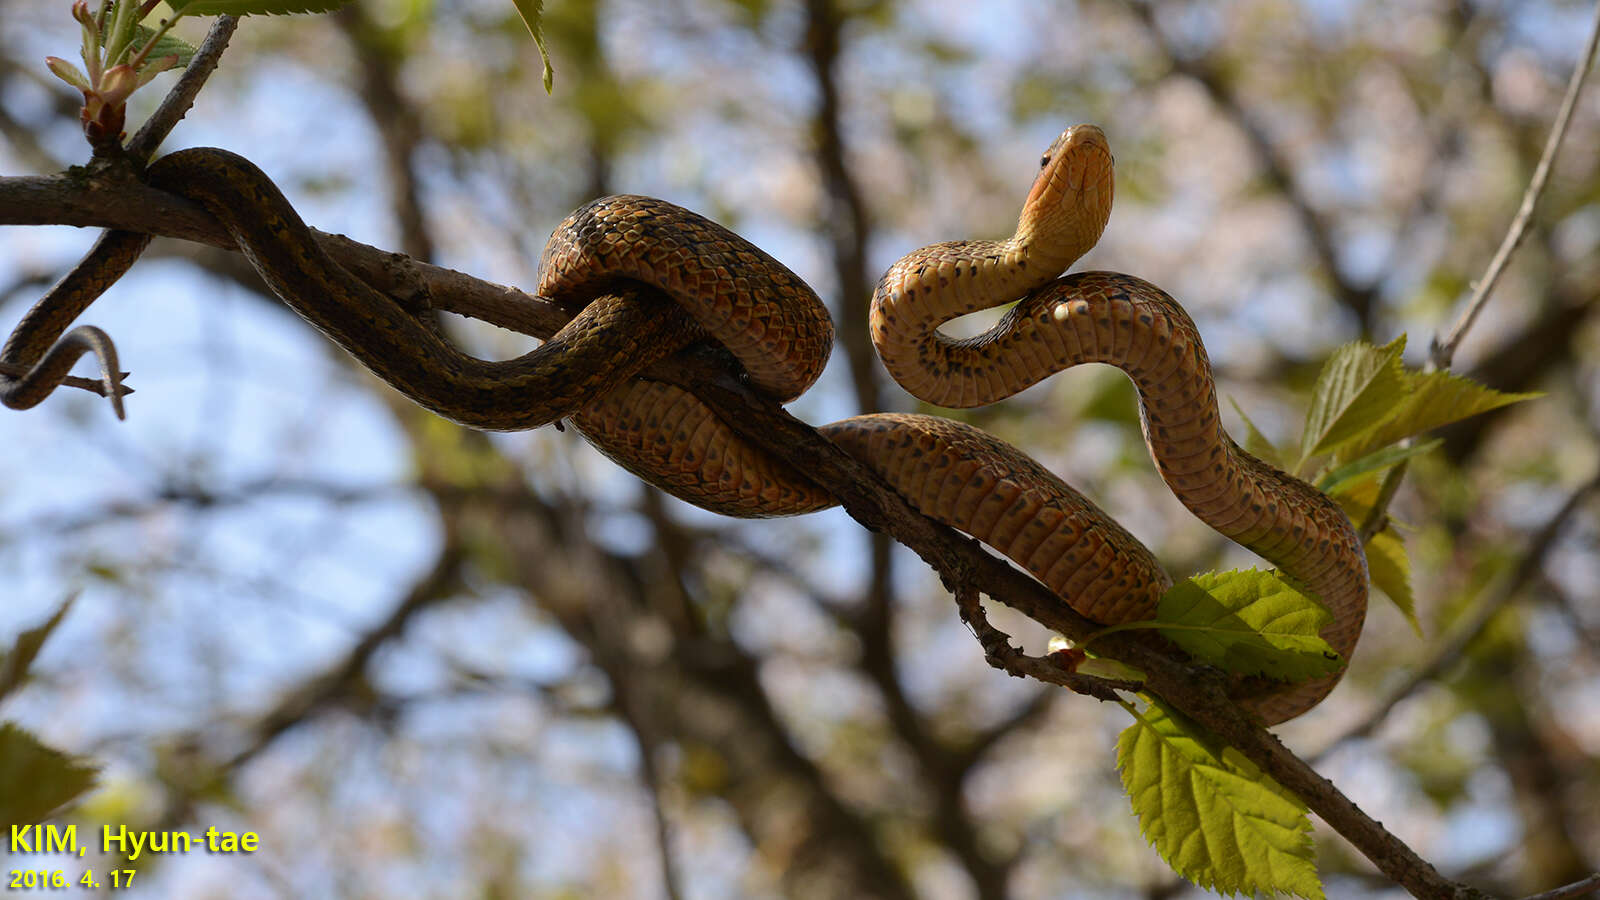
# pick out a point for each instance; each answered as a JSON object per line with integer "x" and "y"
{"x": 421, "y": 661}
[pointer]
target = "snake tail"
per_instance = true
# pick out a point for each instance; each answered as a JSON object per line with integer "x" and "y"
{"x": 41, "y": 343}
{"x": 605, "y": 344}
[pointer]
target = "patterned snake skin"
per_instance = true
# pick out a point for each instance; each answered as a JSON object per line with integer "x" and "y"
{"x": 972, "y": 481}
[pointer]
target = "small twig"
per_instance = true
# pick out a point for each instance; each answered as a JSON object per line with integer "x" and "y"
{"x": 175, "y": 105}
{"x": 650, "y": 774}
{"x": 969, "y": 605}
{"x": 999, "y": 653}
{"x": 323, "y": 689}
{"x": 1472, "y": 625}
{"x": 1442, "y": 353}
{"x": 1580, "y": 888}
{"x": 92, "y": 385}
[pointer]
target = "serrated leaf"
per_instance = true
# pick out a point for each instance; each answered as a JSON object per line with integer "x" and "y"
{"x": 168, "y": 44}
{"x": 1256, "y": 443}
{"x": 1249, "y": 622}
{"x": 35, "y": 780}
{"x": 1343, "y": 477}
{"x": 532, "y": 13}
{"x": 14, "y": 665}
{"x": 1434, "y": 399}
{"x": 1390, "y": 570}
{"x": 253, "y": 7}
{"x": 1217, "y": 819}
{"x": 1358, "y": 388}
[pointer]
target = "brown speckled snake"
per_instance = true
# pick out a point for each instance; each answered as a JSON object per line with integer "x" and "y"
{"x": 644, "y": 278}
{"x": 966, "y": 478}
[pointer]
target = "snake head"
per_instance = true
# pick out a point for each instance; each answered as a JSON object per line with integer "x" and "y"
{"x": 1070, "y": 202}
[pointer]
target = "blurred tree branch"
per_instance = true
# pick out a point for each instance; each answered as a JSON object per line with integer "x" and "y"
{"x": 1441, "y": 353}
{"x": 846, "y": 222}
{"x": 1468, "y": 627}
{"x": 1276, "y": 167}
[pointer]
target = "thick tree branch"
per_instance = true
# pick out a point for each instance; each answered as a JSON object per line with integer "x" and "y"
{"x": 847, "y": 227}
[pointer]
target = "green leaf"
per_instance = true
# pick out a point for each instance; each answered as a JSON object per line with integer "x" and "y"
{"x": 1215, "y": 817}
{"x": 35, "y": 780}
{"x": 1390, "y": 569}
{"x": 1434, "y": 399}
{"x": 1256, "y": 443}
{"x": 253, "y": 7}
{"x": 532, "y": 13}
{"x": 168, "y": 44}
{"x": 1351, "y": 472}
{"x": 68, "y": 72}
{"x": 14, "y": 665}
{"x": 1249, "y": 622}
{"x": 1358, "y": 388}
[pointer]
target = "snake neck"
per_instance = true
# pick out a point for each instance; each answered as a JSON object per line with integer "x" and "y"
{"x": 941, "y": 282}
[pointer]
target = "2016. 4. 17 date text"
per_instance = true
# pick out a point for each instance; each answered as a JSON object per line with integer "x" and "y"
{"x": 57, "y": 879}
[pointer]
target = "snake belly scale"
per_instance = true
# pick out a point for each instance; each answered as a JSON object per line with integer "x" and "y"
{"x": 644, "y": 278}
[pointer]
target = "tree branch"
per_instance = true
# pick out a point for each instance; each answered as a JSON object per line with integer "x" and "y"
{"x": 1582, "y": 888}
{"x": 1275, "y": 167}
{"x": 111, "y": 199}
{"x": 175, "y": 105}
{"x": 1442, "y": 353}
{"x": 1198, "y": 692}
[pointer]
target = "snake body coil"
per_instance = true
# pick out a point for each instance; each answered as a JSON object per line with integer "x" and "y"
{"x": 974, "y": 482}
{"x": 644, "y": 278}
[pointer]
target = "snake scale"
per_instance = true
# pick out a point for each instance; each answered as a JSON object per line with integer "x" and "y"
{"x": 644, "y": 279}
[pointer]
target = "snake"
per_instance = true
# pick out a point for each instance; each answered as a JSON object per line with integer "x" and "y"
{"x": 643, "y": 279}
{"x": 970, "y": 480}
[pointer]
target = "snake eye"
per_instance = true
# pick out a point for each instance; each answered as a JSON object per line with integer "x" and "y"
{"x": 1044, "y": 160}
